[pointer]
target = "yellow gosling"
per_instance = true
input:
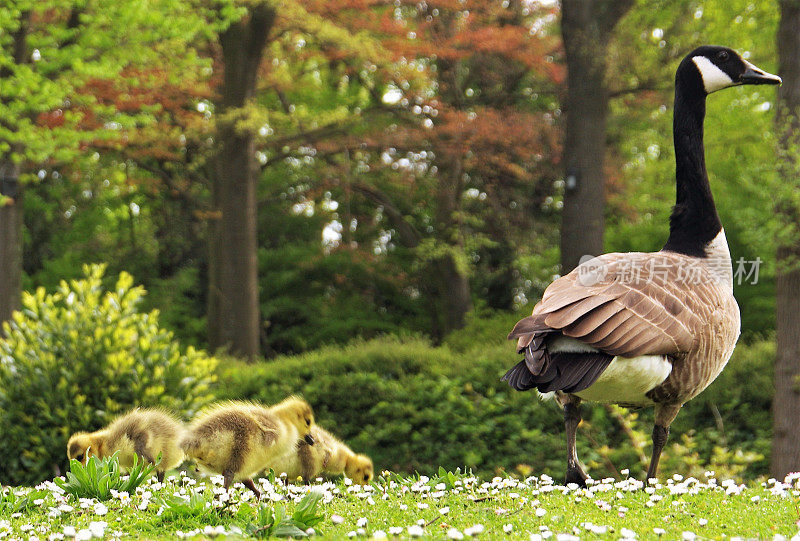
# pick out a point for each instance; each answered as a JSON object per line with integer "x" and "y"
{"x": 327, "y": 455}
{"x": 147, "y": 433}
{"x": 239, "y": 439}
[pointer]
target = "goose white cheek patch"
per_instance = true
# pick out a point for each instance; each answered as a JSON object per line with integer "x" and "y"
{"x": 713, "y": 78}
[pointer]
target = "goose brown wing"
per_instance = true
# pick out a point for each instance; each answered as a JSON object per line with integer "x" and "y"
{"x": 627, "y": 304}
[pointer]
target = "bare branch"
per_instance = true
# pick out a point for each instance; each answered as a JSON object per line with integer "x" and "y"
{"x": 644, "y": 86}
{"x": 408, "y": 234}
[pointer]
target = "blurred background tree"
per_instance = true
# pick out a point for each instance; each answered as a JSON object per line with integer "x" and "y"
{"x": 469, "y": 157}
{"x": 50, "y": 51}
{"x": 785, "y": 451}
{"x": 587, "y": 28}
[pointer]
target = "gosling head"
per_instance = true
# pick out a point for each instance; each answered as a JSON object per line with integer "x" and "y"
{"x": 713, "y": 68}
{"x": 298, "y": 412}
{"x": 83, "y": 445}
{"x": 359, "y": 468}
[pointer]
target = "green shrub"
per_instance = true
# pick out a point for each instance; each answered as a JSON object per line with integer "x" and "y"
{"x": 415, "y": 407}
{"x": 74, "y": 359}
{"x": 411, "y": 406}
{"x": 491, "y": 328}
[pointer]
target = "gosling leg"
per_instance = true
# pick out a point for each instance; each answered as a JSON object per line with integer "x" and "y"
{"x": 140, "y": 448}
{"x": 252, "y": 486}
{"x": 306, "y": 462}
{"x": 227, "y": 476}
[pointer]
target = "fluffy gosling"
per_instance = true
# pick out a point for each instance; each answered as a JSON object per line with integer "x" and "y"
{"x": 143, "y": 432}
{"x": 239, "y": 439}
{"x": 328, "y": 455}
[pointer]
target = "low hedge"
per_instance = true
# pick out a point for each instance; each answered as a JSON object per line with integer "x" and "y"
{"x": 411, "y": 406}
{"x": 415, "y": 407}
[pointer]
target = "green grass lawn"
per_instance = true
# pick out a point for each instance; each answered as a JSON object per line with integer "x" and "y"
{"x": 448, "y": 505}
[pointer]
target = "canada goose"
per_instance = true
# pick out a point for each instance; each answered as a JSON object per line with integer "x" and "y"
{"x": 147, "y": 433}
{"x": 239, "y": 439}
{"x": 646, "y": 328}
{"x": 327, "y": 455}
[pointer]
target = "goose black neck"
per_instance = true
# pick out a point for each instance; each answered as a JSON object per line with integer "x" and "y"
{"x": 694, "y": 221}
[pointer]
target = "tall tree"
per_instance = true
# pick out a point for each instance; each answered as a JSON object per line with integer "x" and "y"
{"x": 259, "y": 124}
{"x": 16, "y": 53}
{"x": 48, "y": 50}
{"x": 786, "y": 406}
{"x": 586, "y": 28}
{"x": 233, "y": 317}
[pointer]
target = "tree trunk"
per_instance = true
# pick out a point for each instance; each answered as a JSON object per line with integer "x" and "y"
{"x": 452, "y": 280}
{"x": 454, "y": 295}
{"x": 585, "y": 28}
{"x": 786, "y": 404}
{"x": 11, "y": 213}
{"x": 233, "y": 308}
{"x": 10, "y": 240}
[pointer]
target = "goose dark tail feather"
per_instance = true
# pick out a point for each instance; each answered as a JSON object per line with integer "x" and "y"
{"x": 565, "y": 371}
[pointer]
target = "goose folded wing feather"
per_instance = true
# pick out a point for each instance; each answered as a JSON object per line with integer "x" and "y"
{"x": 624, "y": 314}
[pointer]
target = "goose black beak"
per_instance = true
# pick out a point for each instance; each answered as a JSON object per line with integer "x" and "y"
{"x": 757, "y": 76}
{"x": 309, "y": 439}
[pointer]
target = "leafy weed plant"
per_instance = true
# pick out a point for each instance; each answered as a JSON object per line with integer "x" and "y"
{"x": 276, "y": 523}
{"x": 12, "y": 502}
{"x": 99, "y": 477}
{"x": 198, "y": 505}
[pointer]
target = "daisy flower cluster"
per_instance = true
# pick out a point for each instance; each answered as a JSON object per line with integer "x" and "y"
{"x": 545, "y": 505}
{"x": 53, "y": 512}
{"x": 448, "y": 506}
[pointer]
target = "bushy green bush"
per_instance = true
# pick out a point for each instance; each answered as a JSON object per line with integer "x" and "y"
{"x": 412, "y": 406}
{"x": 489, "y": 328}
{"x": 74, "y": 359}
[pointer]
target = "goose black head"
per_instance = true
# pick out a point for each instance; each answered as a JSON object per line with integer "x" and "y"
{"x": 715, "y": 68}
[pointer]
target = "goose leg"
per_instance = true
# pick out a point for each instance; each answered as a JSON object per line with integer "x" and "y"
{"x": 572, "y": 418}
{"x": 665, "y": 414}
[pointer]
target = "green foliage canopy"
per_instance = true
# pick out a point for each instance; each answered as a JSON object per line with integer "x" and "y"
{"x": 48, "y": 50}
